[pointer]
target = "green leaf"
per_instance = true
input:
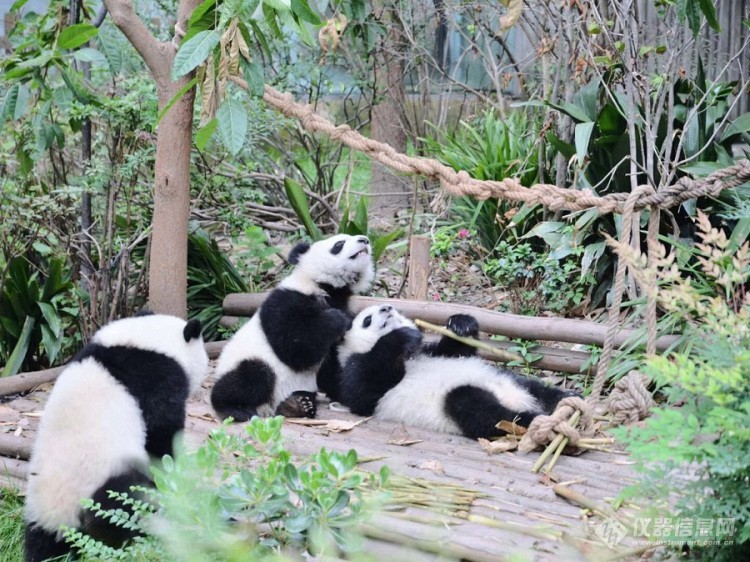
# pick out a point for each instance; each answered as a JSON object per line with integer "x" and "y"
{"x": 303, "y": 11}
{"x": 298, "y": 201}
{"x": 232, "y": 119}
{"x": 176, "y": 98}
{"x": 582, "y": 136}
{"x": 52, "y": 318}
{"x": 572, "y": 110}
{"x": 194, "y": 52}
{"x": 76, "y": 35}
{"x": 20, "y": 350}
{"x": 564, "y": 148}
{"x": 51, "y": 343}
{"x": 112, "y": 53}
{"x": 253, "y": 72}
{"x": 737, "y": 127}
{"x": 88, "y": 54}
{"x": 17, "y": 5}
{"x": 204, "y": 134}
{"x": 270, "y": 16}
{"x": 709, "y": 11}
{"x": 360, "y": 216}
{"x": 9, "y": 103}
{"x": 278, "y": 5}
{"x": 689, "y": 11}
{"x": 380, "y": 243}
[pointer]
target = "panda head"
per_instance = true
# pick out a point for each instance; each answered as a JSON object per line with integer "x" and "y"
{"x": 341, "y": 261}
{"x": 368, "y": 327}
{"x": 164, "y": 334}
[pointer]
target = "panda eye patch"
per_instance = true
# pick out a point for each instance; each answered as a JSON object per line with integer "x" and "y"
{"x": 367, "y": 321}
{"x": 337, "y": 247}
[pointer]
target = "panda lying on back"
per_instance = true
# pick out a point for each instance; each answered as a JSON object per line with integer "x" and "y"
{"x": 270, "y": 365}
{"x": 388, "y": 373}
{"x": 119, "y": 401}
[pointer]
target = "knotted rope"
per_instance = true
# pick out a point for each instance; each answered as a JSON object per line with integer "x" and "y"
{"x": 543, "y": 429}
{"x": 630, "y": 399}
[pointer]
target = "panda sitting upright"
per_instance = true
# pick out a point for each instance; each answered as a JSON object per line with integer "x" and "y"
{"x": 270, "y": 365}
{"x": 388, "y": 373}
{"x": 120, "y": 401}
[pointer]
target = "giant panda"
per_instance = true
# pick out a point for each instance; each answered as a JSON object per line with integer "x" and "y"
{"x": 119, "y": 401}
{"x": 271, "y": 364}
{"x": 388, "y": 373}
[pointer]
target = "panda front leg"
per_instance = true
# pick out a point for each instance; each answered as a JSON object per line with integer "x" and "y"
{"x": 462, "y": 325}
{"x": 477, "y": 411}
{"x": 240, "y": 392}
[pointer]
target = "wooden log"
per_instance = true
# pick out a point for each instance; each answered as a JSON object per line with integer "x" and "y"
{"x": 14, "y": 467}
{"x": 419, "y": 267}
{"x": 567, "y": 330}
{"x": 15, "y": 447}
{"x": 25, "y": 382}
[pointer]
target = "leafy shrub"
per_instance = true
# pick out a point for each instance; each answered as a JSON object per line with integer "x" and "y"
{"x": 242, "y": 498}
{"x": 537, "y": 281}
{"x": 211, "y": 277}
{"x": 696, "y": 447}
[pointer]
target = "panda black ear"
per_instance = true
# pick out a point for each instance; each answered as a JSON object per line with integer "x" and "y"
{"x": 297, "y": 251}
{"x": 192, "y": 330}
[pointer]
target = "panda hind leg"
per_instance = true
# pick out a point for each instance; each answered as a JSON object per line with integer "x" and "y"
{"x": 240, "y": 392}
{"x": 41, "y": 544}
{"x": 547, "y": 395}
{"x": 100, "y": 528}
{"x": 476, "y": 411}
{"x": 299, "y": 404}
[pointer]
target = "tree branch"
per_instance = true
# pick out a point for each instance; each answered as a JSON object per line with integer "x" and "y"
{"x": 151, "y": 50}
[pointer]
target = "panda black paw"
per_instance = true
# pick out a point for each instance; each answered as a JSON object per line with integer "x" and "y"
{"x": 411, "y": 340}
{"x": 338, "y": 321}
{"x": 463, "y": 325}
{"x": 299, "y": 404}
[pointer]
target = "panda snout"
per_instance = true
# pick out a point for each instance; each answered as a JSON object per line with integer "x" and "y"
{"x": 385, "y": 309}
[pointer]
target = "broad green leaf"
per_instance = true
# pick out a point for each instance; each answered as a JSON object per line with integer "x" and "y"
{"x": 20, "y": 350}
{"x": 740, "y": 234}
{"x": 76, "y": 35}
{"x": 232, "y": 119}
{"x": 564, "y": 148}
{"x": 201, "y": 10}
{"x": 194, "y": 52}
{"x": 51, "y": 317}
{"x": 204, "y": 134}
{"x": 176, "y": 98}
{"x": 709, "y": 11}
{"x": 360, "y": 216}
{"x": 112, "y": 53}
{"x": 380, "y": 243}
{"x": 270, "y": 16}
{"x": 736, "y": 127}
{"x": 253, "y": 72}
{"x": 51, "y": 343}
{"x": 88, "y": 54}
{"x": 203, "y": 18}
{"x": 298, "y": 201}
{"x": 22, "y": 103}
{"x": 572, "y": 110}
{"x": 278, "y": 5}
{"x": 17, "y": 5}
{"x": 582, "y": 136}
{"x": 303, "y": 11}
{"x": 689, "y": 11}
{"x": 9, "y": 103}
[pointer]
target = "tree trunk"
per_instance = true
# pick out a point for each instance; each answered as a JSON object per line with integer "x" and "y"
{"x": 389, "y": 192}
{"x": 168, "y": 260}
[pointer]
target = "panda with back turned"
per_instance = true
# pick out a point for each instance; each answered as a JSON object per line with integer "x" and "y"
{"x": 120, "y": 401}
{"x": 388, "y": 373}
{"x": 275, "y": 362}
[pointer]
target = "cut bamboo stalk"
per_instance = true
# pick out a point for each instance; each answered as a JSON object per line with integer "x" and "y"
{"x": 500, "y": 354}
{"x": 555, "y": 443}
{"x": 511, "y": 325}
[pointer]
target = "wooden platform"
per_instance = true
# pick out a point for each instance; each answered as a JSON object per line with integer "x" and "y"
{"x": 519, "y": 514}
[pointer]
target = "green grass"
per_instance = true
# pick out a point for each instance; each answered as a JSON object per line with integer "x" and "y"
{"x": 11, "y": 526}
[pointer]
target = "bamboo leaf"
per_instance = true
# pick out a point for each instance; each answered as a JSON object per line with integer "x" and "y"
{"x": 51, "y": 317}
{"x": 194, "y": 52}
{"x": 232, "y": 123}
{"x": 76, "y": 35}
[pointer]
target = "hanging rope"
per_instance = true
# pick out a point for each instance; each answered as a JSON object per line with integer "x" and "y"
{"x": 510, "y": 189}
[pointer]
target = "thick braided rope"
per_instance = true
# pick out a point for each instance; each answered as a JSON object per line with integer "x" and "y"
{"x": 543, "y": 429}
{"x": 613, "y": 318}
{"x": 510, "y": 189}
{"x": 652, "y": 240}
{"x": 630, "y": 399}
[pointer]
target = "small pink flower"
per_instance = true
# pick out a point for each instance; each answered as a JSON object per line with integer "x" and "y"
{"x": 463, "y": 233}
{"x": 436, "y": 296}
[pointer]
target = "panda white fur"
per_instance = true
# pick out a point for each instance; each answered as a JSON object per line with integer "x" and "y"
{"x": 271, "y": 364}
{"x": 119, "y": 401}
{"x": 388, "y": 373}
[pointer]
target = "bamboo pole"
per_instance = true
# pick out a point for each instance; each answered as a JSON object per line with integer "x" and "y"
{"x": 497, "y": 353}
{"x": 511, "y": 325}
